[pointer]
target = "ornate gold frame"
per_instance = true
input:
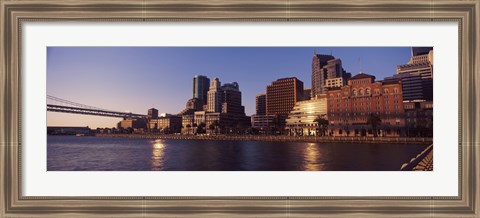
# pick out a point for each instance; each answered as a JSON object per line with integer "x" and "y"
{"x": 14, "y": 12}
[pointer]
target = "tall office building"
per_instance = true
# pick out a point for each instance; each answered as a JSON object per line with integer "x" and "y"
{"x": 412, "y": 86}
{"x": 283, "y": 94}
{"x": 307, "y": 94}
{"x": 261, "y": 104}
{"x": 318, "y": 72}
{"x": 420, "y": 65}
{"x": 327, "y": 72}
{"x": 232, "y": 99}
{"x": 214, "y": 102}
{"x": 201, "y": 86}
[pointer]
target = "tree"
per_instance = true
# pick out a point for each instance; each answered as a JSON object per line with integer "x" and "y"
{"x": 322, "y": 124}
{"x": 374, "y": 120}
{"x": 195, "y": 127}
{"x": 211, "y": 127}
{"x": 216, "y": 124}
{"x": 201, "y": 128}
{"x": 188, "y": 129}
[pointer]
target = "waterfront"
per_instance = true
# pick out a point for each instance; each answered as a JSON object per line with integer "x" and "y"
{"x": 71, "y": 153}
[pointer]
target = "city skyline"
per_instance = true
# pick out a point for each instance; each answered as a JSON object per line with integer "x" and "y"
{"x": 138, "y": 78}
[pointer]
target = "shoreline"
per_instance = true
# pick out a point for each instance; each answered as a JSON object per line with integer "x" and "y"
{"x": 369, "y": 140}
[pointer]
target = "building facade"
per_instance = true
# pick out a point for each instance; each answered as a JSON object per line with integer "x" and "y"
{"x": 152, "y": 113}
{"x": 187, "y": 124}
{"x": 318, "y": 73}
{"x": 302, "y": 120}
{"x": 282, "y": 95}
{"x": 327, "y": 72}
{"x": 135, "y": 125}
{"x": 307, "y": 94}
{"x": 232, "y": 99}
{"x": 366, "y": 107}
{"x": 413, "y": 87}
{"x": 169, "y": 124}
{"x": 201, "y": 85}
{"x": 419, "y": 119}
{"x": 265, "y": 124}
{"x": 214, "y": 102}
{"x": 420, "y": 65}
{"x": 261, "y": 104}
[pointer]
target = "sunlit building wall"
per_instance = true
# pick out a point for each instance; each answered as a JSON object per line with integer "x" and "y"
{"x": 264, "y": 123}
{"x": 282, "y": 95}
{"x": 350, "y": 106}
{"x": 214, "y": 102}
{"x": 301, "y": 121}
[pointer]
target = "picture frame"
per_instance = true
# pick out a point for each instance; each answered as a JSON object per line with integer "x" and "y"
{"x": 14, "y": 13}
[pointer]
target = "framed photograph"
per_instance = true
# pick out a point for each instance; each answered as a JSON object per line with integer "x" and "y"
{"x": 233, "y": 108}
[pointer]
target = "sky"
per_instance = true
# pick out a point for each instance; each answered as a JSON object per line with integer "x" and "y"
{"x": 135, "y": 79}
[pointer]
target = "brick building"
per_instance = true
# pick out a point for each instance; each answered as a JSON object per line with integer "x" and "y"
{"x": 350, "y": 107}
{"x": 282, "y": 95}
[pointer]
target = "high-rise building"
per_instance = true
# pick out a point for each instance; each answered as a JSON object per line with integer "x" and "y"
{"x": 319, "y": 73}
{"x": 282, "y": 95}
{"x": 307, "y": 94}
{"x": 350, "y": 107}
{"x": 201, "y": 86}
{"x": 232, "y": 99}
{"x": 261, "y": 104}
{"x": 413, "y": 87}
{"x": 214, "y": 102}
{"x": 420, "y": 65}
{"x": 327, "y": 72}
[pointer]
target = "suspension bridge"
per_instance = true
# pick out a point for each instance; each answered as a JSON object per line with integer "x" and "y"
{"x": 55, "y": 104}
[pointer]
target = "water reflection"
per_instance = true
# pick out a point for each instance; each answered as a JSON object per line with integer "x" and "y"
{"x": 158, "y": 153}
{"x": 312, "y": 155}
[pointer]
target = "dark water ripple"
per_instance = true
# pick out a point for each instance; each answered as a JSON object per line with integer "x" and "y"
{"x": 71, "y": 153}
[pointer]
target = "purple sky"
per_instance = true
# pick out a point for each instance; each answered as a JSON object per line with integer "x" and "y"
{"x": 137, "y": 78}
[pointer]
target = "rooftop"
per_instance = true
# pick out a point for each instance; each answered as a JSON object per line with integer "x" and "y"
{"x": 362, "y": 76}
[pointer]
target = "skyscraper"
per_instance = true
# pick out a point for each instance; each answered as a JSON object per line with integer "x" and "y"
{"x": 201, "y": 86}
{"x": 418, "y": 72}
{"x": 318, "y": 72}
{"x": 232, "y": 99}
{"x": 327, "y": 71}
{"x": 214, "y": 102}
{"x": 283, "y": 94}
{"x": 261, "y": 104}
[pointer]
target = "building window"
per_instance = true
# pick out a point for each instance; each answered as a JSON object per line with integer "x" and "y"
{"x": 354, "y": 92}
{"x": 385, "y": 91}
{"x": 360, "y": 92}
{"x": 367, "y": 91}
{"x": 395, "y": 90}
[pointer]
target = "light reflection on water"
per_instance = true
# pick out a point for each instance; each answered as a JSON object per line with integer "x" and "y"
{"x": 71, "y": 153}
{"x": 311, "y": 155}
{"x": 158, "y": 153}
